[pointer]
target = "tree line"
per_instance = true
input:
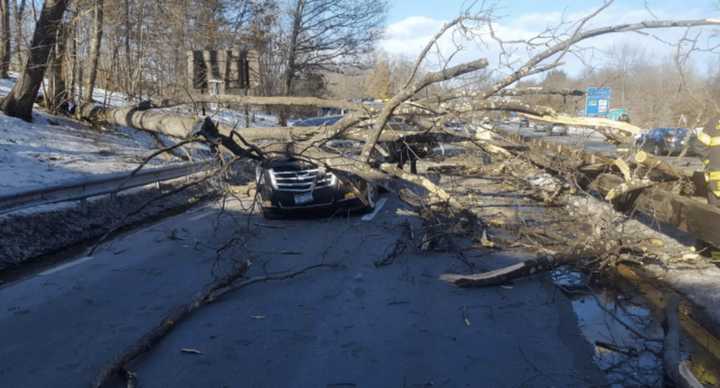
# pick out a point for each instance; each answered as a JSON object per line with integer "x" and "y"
{"x": 139, "y": 47}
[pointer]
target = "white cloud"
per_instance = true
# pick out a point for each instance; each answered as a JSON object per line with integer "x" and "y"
{"x": 409, "y": 36}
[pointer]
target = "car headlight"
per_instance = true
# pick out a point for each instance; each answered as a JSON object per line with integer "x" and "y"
{"x": 333, "y": 179}
{"x": 273, "y": 181}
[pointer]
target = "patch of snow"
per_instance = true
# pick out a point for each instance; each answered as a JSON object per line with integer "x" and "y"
{"x": 53, "y": 149}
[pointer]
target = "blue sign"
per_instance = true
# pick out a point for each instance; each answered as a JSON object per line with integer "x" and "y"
{"x": 597, "y": 102}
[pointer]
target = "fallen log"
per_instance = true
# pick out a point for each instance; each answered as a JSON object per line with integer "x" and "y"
{"x": 628, "y": 187}
{"x": 507, "y": 274}
{"x": 654, "y": 164}
{"x": 181, "y": 126}
{"x": 174, "y": 124}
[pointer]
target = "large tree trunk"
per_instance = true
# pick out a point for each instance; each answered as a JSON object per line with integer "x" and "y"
{"x": 5, "y": 41}
{"x": 20, "y": 101}
{"x": 95, "y": 45}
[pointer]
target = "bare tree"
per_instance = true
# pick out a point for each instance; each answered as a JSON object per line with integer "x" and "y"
{"x": 20, "y": 101}
{"x": 19, "y": 10}
{"x": 5, "y": 54}
{"x": 95, "y": 45}
{"x": 327, "y": 35}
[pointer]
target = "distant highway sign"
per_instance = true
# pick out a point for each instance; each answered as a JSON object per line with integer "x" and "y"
{"x": 597, "y": 102}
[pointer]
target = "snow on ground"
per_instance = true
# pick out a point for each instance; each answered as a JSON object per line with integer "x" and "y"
{"x": 54, "y": 149}
{"x": 40, "y": 153}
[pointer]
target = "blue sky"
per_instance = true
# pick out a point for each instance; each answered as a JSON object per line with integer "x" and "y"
{"x": 411, "y": 24}
{"x": 447, "y": 9}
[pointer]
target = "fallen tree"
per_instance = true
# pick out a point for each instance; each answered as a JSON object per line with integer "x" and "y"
{"x": 369, "y": 125}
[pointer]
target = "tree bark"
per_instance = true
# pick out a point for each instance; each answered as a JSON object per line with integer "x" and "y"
{"x": 19, "y": 40}
{"x": 19, "y": 102}
{"x": 5, "y": 54}
{"x": 95, "y": 45}
{"x": 58, "y": 86}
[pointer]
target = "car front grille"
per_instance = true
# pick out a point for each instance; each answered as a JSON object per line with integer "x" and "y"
{"x": 301, "y": 180}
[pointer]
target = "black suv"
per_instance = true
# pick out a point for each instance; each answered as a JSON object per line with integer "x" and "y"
{"x": 288, "y": 186}
{"x": 670, "y": 141}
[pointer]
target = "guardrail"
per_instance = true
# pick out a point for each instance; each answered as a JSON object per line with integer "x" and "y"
{"x": 95, "y": 186}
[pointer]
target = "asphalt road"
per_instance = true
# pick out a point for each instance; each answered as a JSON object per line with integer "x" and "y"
{"x": 352, "y": 326}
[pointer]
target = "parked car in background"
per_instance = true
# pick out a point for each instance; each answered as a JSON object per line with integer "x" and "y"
{"x": 551, "y": 130}
{"x": 288, "y": 186}
{"x": 559, "y": 130}
{"x": 670, "y": 141}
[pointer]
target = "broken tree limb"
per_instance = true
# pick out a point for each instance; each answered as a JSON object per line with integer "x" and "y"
{"x": 147, "y": 341}
{"x": 628, "y": 187}
{"x": 540, "y": 91}
{"x": 398, "y": 248}
{"x": 677, "y": 369}
{"x": 685, "y": 213}
{"x": 419, "y": 180}
{"x": 654, "y": 164}
{"x": 617, "y": 131}
{"x": 410, "y": 91}
{"x": 209, "y": 295}
{"x": 505, "y": 275}
{"x": 511, "y": 106}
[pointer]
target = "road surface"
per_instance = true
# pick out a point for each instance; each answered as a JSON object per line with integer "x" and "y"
{"x": 594, "y": 142}
{"x": 352, "y": 326}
